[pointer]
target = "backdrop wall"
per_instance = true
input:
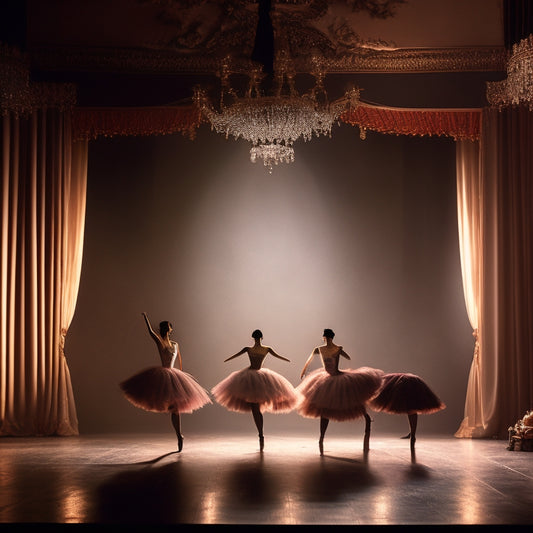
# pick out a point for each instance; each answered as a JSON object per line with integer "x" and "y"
{"x": 359, "y": 236}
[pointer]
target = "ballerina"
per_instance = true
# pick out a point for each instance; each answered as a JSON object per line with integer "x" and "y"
{"x": 405, "y": 393}
{"x": 256, "y": 389}
{"x": 165, "y": 389}
{"x": 331, "y": 394}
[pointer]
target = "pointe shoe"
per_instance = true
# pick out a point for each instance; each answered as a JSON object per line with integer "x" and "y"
{"x": 408, "y": 436}
{"x": 321, "y": 446}
{"x": 180, "y": 443}
{"x": 261, "y": 443}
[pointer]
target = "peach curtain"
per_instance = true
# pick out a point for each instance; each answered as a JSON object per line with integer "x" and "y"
{"x": 469, "y": 227}
{"x": 43, "y": 211}
{"x": 497, "y": 210}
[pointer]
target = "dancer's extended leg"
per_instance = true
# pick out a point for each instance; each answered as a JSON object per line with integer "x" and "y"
{"x": 413, "y": 419}
{"x": 323, "y": 426}
{"x": 366, "y": 442}
{"x": 258, "y": 419}
{"x": 176, "y": 423}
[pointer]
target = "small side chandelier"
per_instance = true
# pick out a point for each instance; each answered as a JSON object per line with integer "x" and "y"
{"x": 518, "y": 87}
{"x": 273, "y": 122}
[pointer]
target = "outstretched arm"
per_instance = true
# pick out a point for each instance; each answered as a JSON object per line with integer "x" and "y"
{"x": 237, "y": 354}
{"x": 343, "y": 353}
{"x": 270, "y": 350}
{"x": 153, "y": 334}
{"x": 307, "y": 363}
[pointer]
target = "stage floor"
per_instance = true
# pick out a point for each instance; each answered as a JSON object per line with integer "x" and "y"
{"x": 224, "y": 479}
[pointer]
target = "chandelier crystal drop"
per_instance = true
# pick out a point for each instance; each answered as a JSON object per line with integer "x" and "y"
{"x": 273, "y": 122}
{"x": 517, "y": 89}
{"x": 272, "y": 154}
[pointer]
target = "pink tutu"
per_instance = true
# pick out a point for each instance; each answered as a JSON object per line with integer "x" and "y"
{"x": 339, "y": 396}
{"x": 269, "y": 389}
{"x": 403, "y": 393}
{"x": 162, "y": 390}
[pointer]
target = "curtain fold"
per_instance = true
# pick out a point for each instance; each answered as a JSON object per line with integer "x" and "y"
{"x": 43, "y": 211}
{"x": 517, "y": 21}
{"x": 500, "y": 387}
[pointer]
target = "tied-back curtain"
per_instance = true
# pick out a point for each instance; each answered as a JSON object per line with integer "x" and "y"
{"x": 43, "y": 211}
{"x": 469, "y": 228}
{"x": 500, "y": 388}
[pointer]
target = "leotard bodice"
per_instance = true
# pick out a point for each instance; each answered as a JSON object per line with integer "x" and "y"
{"x": 256, "y": 360}
{"x": 331, "y": 364}
{"x": 168, "y": 354}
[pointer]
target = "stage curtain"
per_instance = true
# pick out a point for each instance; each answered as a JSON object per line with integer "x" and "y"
{"x": 517, "y": 21}
{"x": 43, "y": 212}
{"x": 500, "y": 388}
{"x": 469, "y": 228}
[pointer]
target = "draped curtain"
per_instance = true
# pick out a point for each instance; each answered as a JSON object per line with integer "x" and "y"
{"x": 495, "y": 210}
{"x": 43, "y": 213}
{"x": 517, "y": 21}
{"x": 42, "y": 223}
{"x": 469, "y": 228}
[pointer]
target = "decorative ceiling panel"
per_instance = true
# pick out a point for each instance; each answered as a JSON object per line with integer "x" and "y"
{"x": 193, "y": 36}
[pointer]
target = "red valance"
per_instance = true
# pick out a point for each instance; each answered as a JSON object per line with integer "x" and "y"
{"x": 456, "y": 123}
{"x": 92, "y": 122}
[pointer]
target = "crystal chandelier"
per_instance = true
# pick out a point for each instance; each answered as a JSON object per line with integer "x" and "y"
{"x": 273, "y": 122}
{"x": 518, "y": 87}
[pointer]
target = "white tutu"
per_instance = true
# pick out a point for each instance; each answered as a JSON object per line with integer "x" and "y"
{"x": 340, "y": 396}
{"x": 270, "y": 390}
{"x": 161, "y": 389}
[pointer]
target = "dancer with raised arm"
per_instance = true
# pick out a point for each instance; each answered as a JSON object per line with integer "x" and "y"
{"x": 165, "y": 389}
{"x": 255, "y": 389}
{"x": 333, "y": 394}
{"x": 405, "y": 393}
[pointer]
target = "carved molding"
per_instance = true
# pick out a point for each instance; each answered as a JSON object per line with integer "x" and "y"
{"x": 142, "y": 61}
{"x": 20, "y": 95}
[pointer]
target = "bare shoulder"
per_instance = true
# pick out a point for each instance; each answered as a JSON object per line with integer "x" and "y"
{"x": 261, "y": 350}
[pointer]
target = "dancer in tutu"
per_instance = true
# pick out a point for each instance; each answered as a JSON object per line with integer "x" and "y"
{"x": 333, "y": 394}
{"x": 256, "y": 389}
{"x": 404, "y": 393}
{"x": 164, "y": 389}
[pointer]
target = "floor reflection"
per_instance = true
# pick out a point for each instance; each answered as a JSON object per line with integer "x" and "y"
{"x": 250, "y": 483}
{"x": 333, "y": 478}
{"x": 228, "y": 481}
{"x": 148, "y": 495}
